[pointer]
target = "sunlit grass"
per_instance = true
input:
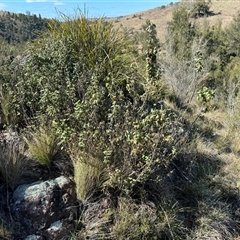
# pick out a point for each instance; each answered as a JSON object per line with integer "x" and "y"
{"x": 89, "y": 174}
{"x": 42, "y": 144}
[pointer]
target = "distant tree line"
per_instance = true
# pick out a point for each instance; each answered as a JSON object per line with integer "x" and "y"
{"x": 19, "y": 27}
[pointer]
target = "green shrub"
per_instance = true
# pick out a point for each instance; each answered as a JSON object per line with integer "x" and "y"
{"x": 98, "y": 99}
{"x": 205, "y": 96}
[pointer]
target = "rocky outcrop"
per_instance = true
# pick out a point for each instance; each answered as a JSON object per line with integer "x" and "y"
{"x": 45, "y": 208}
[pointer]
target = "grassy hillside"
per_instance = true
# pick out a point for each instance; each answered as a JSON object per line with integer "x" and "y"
{"x": 224, "y": 11}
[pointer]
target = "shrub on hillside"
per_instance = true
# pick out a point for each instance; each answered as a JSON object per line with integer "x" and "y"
{"x": 81, "y": 78}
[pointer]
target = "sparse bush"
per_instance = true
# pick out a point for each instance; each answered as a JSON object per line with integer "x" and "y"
{"x": 185, "y": 76}
{"x": 184, "y": 60}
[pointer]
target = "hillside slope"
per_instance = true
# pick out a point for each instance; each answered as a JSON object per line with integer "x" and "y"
{"x": 223, "y": 11}
{"x": 19, "y": 28}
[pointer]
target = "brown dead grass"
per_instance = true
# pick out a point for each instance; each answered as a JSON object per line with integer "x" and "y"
{"x": 158, "y": 16}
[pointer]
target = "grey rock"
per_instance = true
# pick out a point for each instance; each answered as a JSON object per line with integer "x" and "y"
{"x": 33, "y": 237}
{"x": 58, "y": 229}
{"x": 38, "y": 205}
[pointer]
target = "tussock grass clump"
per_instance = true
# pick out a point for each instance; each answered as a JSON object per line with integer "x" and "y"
{"x": 214, "y": 220}
{"x": 42, "y": 144}
{"x": 146, "y": 221}
{"x": 89, "y": 174}
{"x": 13, "y": 162}
{"x": 95, "y": 42}
{"x": 133, "y": 221}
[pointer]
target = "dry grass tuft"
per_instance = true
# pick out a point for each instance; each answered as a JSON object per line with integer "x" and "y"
{"x": 146, "y": 221}
{"x": 13, "y": 162}
{"x": 89, "y": 174}
{"x": 43, "y": 144}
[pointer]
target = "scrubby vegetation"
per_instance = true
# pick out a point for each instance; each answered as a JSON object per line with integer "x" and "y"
{"x": 154, "y": 131}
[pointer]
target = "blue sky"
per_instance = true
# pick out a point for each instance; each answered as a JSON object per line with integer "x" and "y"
{"x": 107, "y": 8}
